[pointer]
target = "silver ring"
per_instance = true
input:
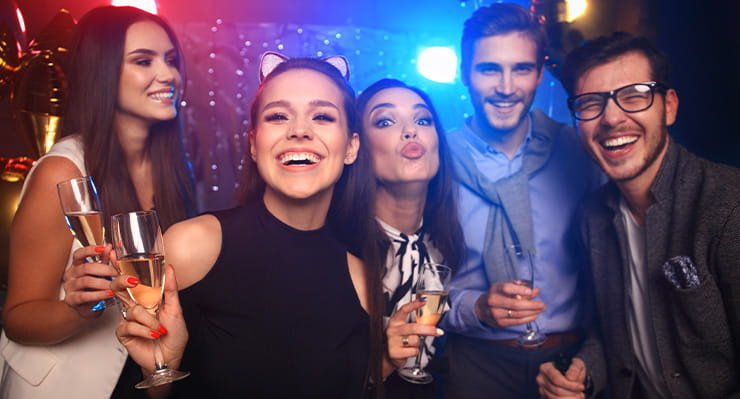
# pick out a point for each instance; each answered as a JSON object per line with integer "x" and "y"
{"x": 123, "y": 313}
{"x": 405, "y": 340}
{"x": 508, "y": 312}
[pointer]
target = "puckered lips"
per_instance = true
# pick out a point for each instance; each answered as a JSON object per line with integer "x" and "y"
{"x": 413, "y": 150}
{"x": 299, "y": 159}
{"x": 165, "y": 96}
{"x": 618, "y": 146}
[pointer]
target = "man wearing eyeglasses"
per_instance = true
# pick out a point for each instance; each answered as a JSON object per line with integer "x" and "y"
{"x": 662, "y": 238}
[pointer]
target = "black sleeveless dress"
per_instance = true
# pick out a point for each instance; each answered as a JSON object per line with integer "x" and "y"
{"x": 276, "y": 317}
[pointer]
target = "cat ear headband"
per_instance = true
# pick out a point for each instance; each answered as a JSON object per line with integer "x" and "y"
{"x": 270, "y": 60}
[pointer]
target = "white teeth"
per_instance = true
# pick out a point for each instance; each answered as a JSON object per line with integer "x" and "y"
{"x": 619, "y": 141}
{"x": 502, "y": 104}
{"x": 298, "y": 157}
{"x": 162, "y": 96}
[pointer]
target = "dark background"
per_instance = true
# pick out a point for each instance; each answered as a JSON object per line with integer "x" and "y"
{"x": 223, "y": 39}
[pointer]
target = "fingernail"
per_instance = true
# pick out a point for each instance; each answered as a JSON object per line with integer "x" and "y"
{"x": 440, "y": 332}
{"x": 99, "y": 249}
{"x": 133, "y": 280}
{"x": 109, "y": 293}
{"x": 162, "y": 330}
{"x": 154, "y": 334}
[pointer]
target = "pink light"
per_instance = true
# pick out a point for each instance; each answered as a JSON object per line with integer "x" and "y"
{"x": 149, "y": 6}
{"x": 21, "y": 22}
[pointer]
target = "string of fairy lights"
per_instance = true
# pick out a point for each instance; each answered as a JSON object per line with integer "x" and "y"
{"x": 222, "y": 58}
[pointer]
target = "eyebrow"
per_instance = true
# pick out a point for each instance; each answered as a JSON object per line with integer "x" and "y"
{"x": 391, "y": 105}
{"x": 482, "y": 65}
{"x": 151, "y": 52}
{"x": 286, "y": 104}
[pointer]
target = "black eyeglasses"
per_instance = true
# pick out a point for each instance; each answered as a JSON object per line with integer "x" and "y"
{"x": 631, "y": 98}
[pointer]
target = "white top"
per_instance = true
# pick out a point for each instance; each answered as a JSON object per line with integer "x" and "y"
{"x": 87, "y": 365}
{"x": 638, "y": 313}
{"x": 406, "y": 254}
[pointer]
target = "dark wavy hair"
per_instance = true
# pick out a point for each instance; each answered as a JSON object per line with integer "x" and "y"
{"x": 605, "y": 49}
{"x": 441, "y": 219}
{"x": 351, "y": 213}
{"x": 94, "y": 69}
{"x": 499, "y": 19}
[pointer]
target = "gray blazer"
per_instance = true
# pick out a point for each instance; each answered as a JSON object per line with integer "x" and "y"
{"x": 696, "y": 214}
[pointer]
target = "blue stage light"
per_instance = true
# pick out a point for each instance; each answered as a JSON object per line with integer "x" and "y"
{"x": 438, "y": 64}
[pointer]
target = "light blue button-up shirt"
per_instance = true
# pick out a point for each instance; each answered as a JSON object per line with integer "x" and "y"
{"x": 556, "y": 190}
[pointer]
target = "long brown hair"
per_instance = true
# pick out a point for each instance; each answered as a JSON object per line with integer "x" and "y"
{"x": 94, "y": 69}
{"x": 352, "y": 205}
{"x": 441, "y": 220}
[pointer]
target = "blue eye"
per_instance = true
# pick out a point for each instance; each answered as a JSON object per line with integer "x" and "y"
{"x": 385, "y": 122}
{"x": 524, "y": 69}
{"x": 425, "y": 122}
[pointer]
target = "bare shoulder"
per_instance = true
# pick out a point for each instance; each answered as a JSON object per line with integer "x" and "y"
{"x": 357, "y": 273}
{"x": 192, "y": 247}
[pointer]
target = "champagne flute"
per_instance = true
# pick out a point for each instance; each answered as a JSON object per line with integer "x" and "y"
{"x": 140, "y": 253}
{"x": 432, "y": 288}
{"x": 524, "y": 268}
{"x": 84, "y": 215}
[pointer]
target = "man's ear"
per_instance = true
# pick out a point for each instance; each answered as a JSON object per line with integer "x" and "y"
{"x": 671, "y": 106}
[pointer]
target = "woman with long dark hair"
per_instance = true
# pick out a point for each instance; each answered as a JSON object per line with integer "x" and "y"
{"x": 122, "y": 128}
{"x": 415, "y": 205}
{"x": 276, "y": 306}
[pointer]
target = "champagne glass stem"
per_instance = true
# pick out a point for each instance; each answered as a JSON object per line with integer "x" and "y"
{"x": 417, "y": 363}
{"x": 159, "y": 363}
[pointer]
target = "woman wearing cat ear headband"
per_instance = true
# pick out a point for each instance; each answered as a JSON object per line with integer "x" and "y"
{"x": 275, "y": 304}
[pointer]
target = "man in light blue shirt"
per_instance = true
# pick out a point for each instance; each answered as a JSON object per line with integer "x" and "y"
{"x": 522, "y": 176}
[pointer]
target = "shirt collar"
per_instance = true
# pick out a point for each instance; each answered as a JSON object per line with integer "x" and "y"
{"x": 484, "y": 148}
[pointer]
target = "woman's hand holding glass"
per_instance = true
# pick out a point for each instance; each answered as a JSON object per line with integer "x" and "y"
{"x": 139, "y": 329}
{"x": 404, "y": 338}
{"x": 83, "y": 285}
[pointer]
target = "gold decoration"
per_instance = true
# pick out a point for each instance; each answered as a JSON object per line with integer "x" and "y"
{"x": 38, "y": 100}
{"x": 38, "y": 87}
{"x": 9, "y": 57}
{"x": 15, "y": 169}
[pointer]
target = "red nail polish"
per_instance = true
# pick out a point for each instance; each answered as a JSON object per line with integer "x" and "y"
{"x": 162, "y": 330}
{"x": 154, "y": 334}
{"x": 109, "y": 293}
{"x": 133, "y": 280}
{"x": 99, "y": 249}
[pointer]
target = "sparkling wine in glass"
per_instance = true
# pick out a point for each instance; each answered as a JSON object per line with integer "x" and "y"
{"x": 524, "y": 267}
{"x": 140, "y": 253}
{"x": 432, "y": 287}
{"x": 84, "y": 215}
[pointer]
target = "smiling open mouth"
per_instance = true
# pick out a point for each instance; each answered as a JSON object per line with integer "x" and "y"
{"x": 163, "y": 95}
{"x": 617, "y": 143}
{"x": 298, "y": 158}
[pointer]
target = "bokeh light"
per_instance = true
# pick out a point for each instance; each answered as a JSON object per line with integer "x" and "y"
{"x": 438, "y": 64}
{"x": 146, "y": 5}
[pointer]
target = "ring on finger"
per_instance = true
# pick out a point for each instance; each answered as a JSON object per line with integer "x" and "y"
{"x": 508, "y": 312}
{"x": 405, "y": 340}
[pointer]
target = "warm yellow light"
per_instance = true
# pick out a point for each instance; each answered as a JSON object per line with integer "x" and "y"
{"x": 575, "y": 8}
